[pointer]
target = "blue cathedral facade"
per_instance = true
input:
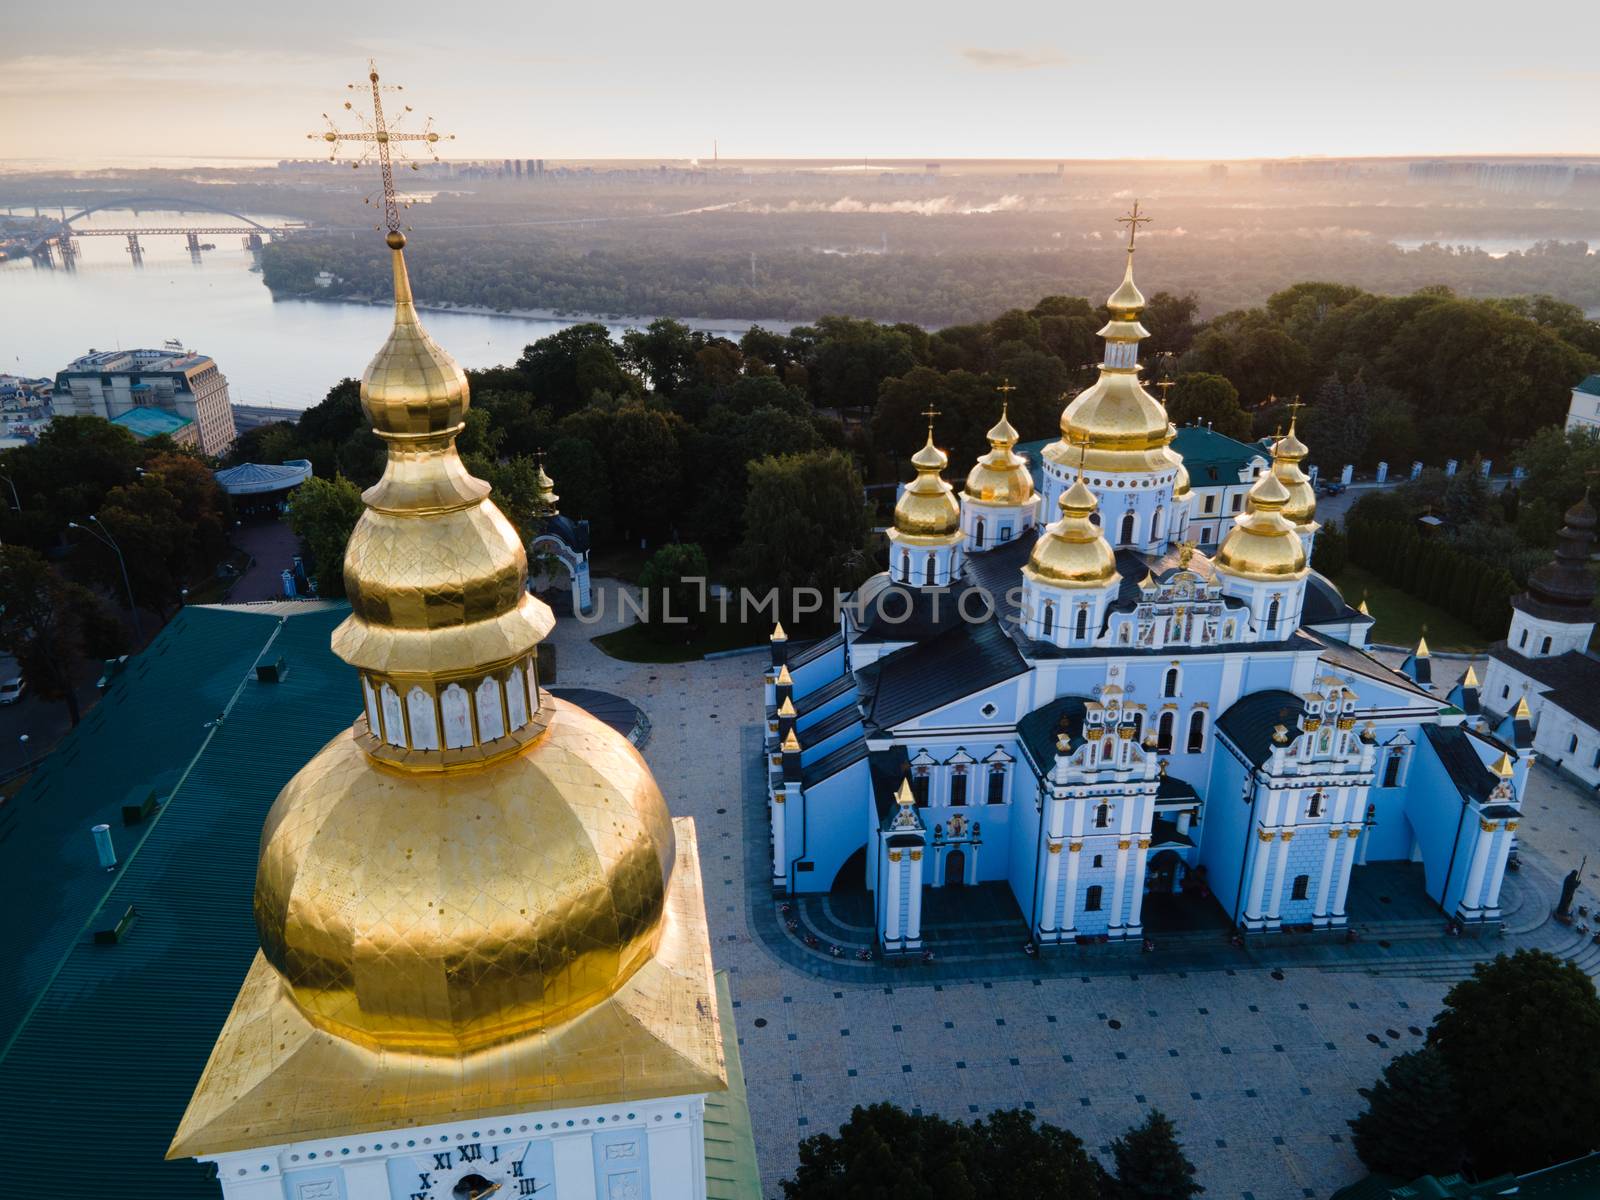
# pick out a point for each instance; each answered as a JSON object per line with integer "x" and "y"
{"x": 1094, "y": 680}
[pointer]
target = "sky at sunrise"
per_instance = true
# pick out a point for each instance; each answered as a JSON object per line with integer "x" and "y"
{"x": 103, "y": 79}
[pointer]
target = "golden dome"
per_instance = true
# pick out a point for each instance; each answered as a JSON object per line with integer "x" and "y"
{"x": 1180, "y": 483}
{"x": 1073, "y": 552}
{"x": 1000, "y": 477}
{"x": 473, "y": 861}
{"x": 407, "y": 912}
{"x": 1263, "y": 544}
{"x": 927, "y": 508}
{"x": 1287, "y": 454}
{"x": 545, "y": 492}
{"x": 412, "y": 385}
{"x": 1127, "y": 301}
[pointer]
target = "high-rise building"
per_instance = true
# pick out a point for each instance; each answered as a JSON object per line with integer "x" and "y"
{"x": 169, "y": 391}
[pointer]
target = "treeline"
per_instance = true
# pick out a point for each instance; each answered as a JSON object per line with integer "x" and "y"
{"x": 1477, "y": 592}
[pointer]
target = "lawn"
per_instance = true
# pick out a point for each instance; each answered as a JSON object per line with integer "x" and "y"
{"x": 1401, "y": 618}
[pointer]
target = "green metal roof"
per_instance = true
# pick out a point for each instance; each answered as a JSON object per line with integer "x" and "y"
{"x": 1205, "y": 450}
{"x": 150, "y": 422}
{"x": 732, "y": 1172}
{"x": 113, "y": 1048}
{"x": 1576, "y": 1179}
{"x": 1590, "y": 386}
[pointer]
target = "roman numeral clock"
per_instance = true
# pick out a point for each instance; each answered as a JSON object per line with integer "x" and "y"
{"x": 475, "y": 1171}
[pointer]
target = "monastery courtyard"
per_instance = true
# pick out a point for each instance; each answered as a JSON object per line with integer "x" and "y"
{"x": 1257, "y": 1062}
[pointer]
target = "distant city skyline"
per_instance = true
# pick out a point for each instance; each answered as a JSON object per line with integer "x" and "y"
{"x": 1235, "y": 79}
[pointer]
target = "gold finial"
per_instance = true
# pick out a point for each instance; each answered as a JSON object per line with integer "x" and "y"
{"x": 786, "y": 709}
{"x": 1522, "y": 712}
{"x": 1294, "y": 406}
{"x": 1502, "y": 766}
{"x": 1163, "y": 386}
{"x": 784, "y": 679}
{"x": 930, "y": 412}
{"x": 1005, "y": 388}
{"x": 1081, "y": 441}
{"x": 903, "y": 797}
{"x": 1470, "y": 679}
{"x": 1133, "y": 220}
{"x": 1185, "y": 553}
{"x": 791, "y": 744}
{"x": 778, "y": 635}
{"x": 1422, "y": 645}
{"x": 379, "y": 133}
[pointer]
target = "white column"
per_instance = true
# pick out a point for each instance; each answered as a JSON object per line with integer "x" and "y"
{"x": 1052, "y": 887}
{"x": 1118, "y": 885}
{"x": 1497, "y": 871}
{"x": 1319, "y": 910}
{"x": 1136, "y": 902}
{"x": 1480, "y": 866}
{"x": 1258, "y": 875}
{"x": 1069, "y": 906}
{"x": 1185, "y": 814}
{"x": 1279, "y": 870}
{"x": 1343, "y": 874}
{"x": 670, "y": 1151}
{"x": 914, "y": 900}
{"x": 780, "y": 869}
{"x": 891, "y": 922}
{"x": 574, "y": 1163}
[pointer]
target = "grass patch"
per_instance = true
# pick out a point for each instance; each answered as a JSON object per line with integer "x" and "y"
{"x": 1400, "y": 616}
{"x": 636, "y": 644}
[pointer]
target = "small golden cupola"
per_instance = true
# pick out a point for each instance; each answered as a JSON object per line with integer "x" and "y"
{"x": 926, "y": 534}
{"x": 1288, "y": 452}
{"x": 1263, "y": 544}
{"x": 463, "y": 899}
{"x": 1000, "y": 477}
{"x": 1073, "y": 552}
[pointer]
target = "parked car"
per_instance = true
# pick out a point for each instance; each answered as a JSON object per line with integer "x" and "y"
{"x": 11, "y": 690}
{"x": 1332, "y": 489}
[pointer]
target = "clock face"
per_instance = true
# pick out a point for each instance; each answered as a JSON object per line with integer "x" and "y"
{"x": 475, "y": 1171}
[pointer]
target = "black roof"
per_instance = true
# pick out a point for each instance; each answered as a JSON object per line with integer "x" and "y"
{"x": 831, "y": 763}
{"x": 1453, "y": 745}
{"x": 1173, "y": 788}
{"x": 831, "y": 724}
{"x": 573, "y": 533}
{"x": 889, "y": 611}
{"x": 1324, "y": 604}
{"x": 1343, "y": 654}
{"x": 888, "y": 768}
{"x": 1249, "y": 723}
{"x": 929, "y": 675}
{"x": 831, "y": 690}
{"x": 800, "y": 655}
{"x": 1573, "y": 679}
{"x": 1038, "y": 729}
{"x": 999, "y": 572}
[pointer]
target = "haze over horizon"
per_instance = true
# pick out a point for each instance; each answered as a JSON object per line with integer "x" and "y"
{"x": 1238, "y": 79}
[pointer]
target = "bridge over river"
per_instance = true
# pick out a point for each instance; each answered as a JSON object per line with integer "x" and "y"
{"x": 57, "y": 242}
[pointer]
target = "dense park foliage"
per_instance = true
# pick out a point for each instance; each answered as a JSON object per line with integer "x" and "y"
{"x": 1508, "y": 1080}
{"x": 885, "y": 1153}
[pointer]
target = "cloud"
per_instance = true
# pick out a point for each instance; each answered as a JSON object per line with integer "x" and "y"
{"x": 1012, "y": 60}
{"x": 1548, "y": 75}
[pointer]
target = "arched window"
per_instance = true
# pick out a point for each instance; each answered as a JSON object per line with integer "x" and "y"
{"x": 997, "y": 784}
{"x": 1572, "y": 746}
{"x": 1091, "y": 898}
{"x": 1047, "y": 623}
{"x": 457, "y": 714}
{"x": 977, "y": 534}
{"x": 1523, "y": 640}
{"x": 1102, "y": 816}
{"x": 905, "y": 567}
{"x": 1155, "y": 524}
{"x": 1197, "y": 731}
{"x": 1314, "y": 809}
{"x": 1099, "y": 860}
{"x": 958, "y": 786}
{"x": 1301, "y": 884}
{"x": 1127, "y": 527}
{"x": 1169, "y": 685}
{"x": 1272, "y": 617}
{"x": 1544, "y": 646}
{"x": 927, "y": 572}
{"x": 422, "y": 720}
{"x": 1164, "y": 732}
{"x": 1138, "y": 727}
{"x": 1083, "y": 621}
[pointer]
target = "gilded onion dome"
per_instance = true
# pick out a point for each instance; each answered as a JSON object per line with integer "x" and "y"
{"x": 1288, "y": 452}
{"x": 1124, "y": 426}
{"x": 1000, "y": 477}
{"x": 928, "y": 508}
{"x": 473, "y": 861}
{"x": 1181, "y": 486}
{"x": 1262, "y": 543}
{"x": 1073, "y": 552}
{"x": 545, "y": 492}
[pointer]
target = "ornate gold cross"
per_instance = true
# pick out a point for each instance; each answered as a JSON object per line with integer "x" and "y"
{"x": 1133, "y": 220}
{"x": 378, "y": 133}
{"x": 930, "y": 412}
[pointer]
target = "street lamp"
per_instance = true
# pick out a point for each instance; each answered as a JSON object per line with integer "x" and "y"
{"x": 103, "y": 535}
{"x": 27, "y": 759}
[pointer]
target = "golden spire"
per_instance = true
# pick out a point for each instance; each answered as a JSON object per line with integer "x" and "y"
{"x": 786, "y": 709}
{"x": 791, "y": 744}
{"x": 1422, "y": 648}
{"x": 544, "y": 490}
{"x": 1522, "y": 712}
{"x": 784, "y": 677}
{"x": 1288, "y": 452}
{"x": 778, "y": 635}
{"x": 1126, "y": 302}
{"x": 1470, "y": 679}
{"x": 1001, "y": 476}
{"x": 1262, "y": 543}
{"x": 1362, "y": 608}
{"x": 927, "y": 512}
{"x": 1502, "y": 766}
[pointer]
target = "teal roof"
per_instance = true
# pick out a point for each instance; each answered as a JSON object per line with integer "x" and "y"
{"x": 732, "y": 1172}
{"x": 1590, "y": 386}
{"x": 1213, "y": 457}
{"x": 151, "y": 422}
{"x": 1576, "y": 1179}
{"x": 119, "y": 1034}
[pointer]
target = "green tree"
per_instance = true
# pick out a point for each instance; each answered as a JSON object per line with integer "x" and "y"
{"x": 1198, "y": 398}
{"x": 805, "y": 524}
{"x": 565, "y": 369}
{"x": 673, "y": 582}
{"x": 49, "y": 623}
{"x": 885, "y": 1153}
{"x": 322, "y": 514}
{"x": 1151, "y": 1164}
{"x": 1412, "y": 1124}
{"x": 1331, "y": 550}
{"x": 1520, "y": 1042}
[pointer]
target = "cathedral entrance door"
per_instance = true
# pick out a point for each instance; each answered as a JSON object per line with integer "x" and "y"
{"x": 1162, "y": 876}
{"x": 955, "y": 868}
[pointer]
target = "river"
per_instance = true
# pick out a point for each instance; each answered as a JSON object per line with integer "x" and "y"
{"x": 285, "y": 353}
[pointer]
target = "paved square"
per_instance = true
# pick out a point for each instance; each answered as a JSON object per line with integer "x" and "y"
{"x": 1259, "y": 1073}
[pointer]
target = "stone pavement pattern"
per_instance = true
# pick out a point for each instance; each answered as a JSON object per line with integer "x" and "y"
{"x": 1259, "y": 1073}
